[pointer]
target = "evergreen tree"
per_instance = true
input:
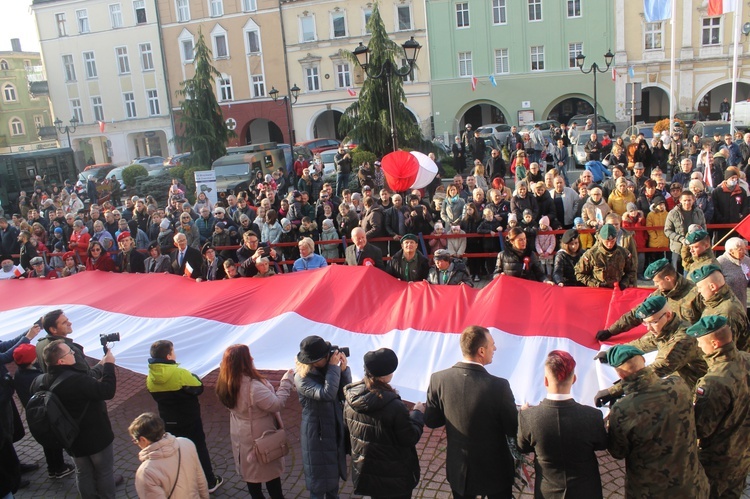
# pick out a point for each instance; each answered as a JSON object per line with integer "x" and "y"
{"x": 204, "y": 132}
{"x": 367, "y": 121}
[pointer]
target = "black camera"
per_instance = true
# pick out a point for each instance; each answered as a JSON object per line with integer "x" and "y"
{"x": 107, "y": 338}
{"x": 335, "y": 348}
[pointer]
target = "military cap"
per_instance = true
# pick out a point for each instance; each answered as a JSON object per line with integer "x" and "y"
{"x": 650, "y": 306}
{"x": 409, "y": 237}
{"x": 698, "y": 235}
{"x": 701, "y": 273}
{"x": 607, "y": 231}
{"x": 706, "y": 325}
{"x": 619, "y": 354}
{"x": 569, "y": 235}
{"x": 655, "y": 268}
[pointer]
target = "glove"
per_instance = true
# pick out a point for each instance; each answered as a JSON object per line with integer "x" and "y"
{"x": 603, "y": 335}
{"x": 603, "y": 397}
{"x": 601, "y": 357}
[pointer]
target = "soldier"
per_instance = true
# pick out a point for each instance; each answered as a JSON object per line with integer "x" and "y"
{"x": 676, "y": 351}
{"x": 719, "y": 299}
{"x": 652, "y": 428}
{"x": 701, "y": 253}
{"x": 684, "y": 300}
{"x": 722, "y": 403}
{"x": 606, "y": 263}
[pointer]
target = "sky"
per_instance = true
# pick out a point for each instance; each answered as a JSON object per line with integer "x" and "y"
{"x": 16, "y": 21}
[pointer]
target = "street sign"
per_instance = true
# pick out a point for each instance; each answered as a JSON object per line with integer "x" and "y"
{"x": 231, "y": 123}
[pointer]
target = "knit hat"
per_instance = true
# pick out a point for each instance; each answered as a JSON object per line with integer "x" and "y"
{"x": 381, "y": 362}
{"x": 544, "y": 221}
{"x": 442, "y": 254}
{"x": 165, "y": 223}
{"x": 527, "y": 212}
{"x": 619, "y": 354}
{"x": 706, "y": 325}
{"x": 58, "y": 230}
{"x": 577, "y": 221}
{"x": 285, "y": 222}
{"x": 650, "y": 306}
{"x": 327, "y": 223}
{"x": 24, "y": 354}
{"x": 512, "y": 217}
{"x": 631, "y": 207}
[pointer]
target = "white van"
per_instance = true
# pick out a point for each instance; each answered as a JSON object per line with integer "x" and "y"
{"x": 742, "y": 114}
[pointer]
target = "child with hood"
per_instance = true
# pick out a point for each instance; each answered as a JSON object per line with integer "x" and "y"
{"x": 346, "y": 220}
{"x": 166, "y": 235}
{"x": 221, "y": 237}
{"x": 528, "y": 227}
{"x": 545, "y": 246}
{"x": 308, "y": 228}
{"x": 271, "y": 230}
{"x": 587, "y": 239}
{"x": 456, "y": 246}
{"x": 329, "y": 251}
{"x": 288, "y": 235}
{"x": 439, "y": 242}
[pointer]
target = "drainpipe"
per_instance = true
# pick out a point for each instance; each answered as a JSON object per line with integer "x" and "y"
{"x": 290, "y": 115}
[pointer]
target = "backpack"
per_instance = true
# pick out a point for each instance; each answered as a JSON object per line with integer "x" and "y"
{"x": 49, "y": 422}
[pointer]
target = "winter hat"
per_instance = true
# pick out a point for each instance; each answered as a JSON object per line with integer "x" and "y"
{"x": 327, "y": 223}
{"x": 577, "y": 220}
{"x": 24, "y": 354}
{"x": 165, "y": 224}
{"x": 512, "y": 217}
{"x": 285, "y": 222}
{"x": 544, "y": 221}
{"x": 632, "y": 207}
{"x": 381, "y": 362}
{"x": 527, "y": 212}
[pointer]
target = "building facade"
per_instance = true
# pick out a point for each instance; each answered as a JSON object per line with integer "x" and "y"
{"x": 104, "y": 62}
{"x": 528, "y": 47}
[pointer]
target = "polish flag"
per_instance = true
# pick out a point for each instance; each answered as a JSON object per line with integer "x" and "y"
{"x": 409, "y": 318}
{"x": 351, "y": 92}
{"x": 188, "y": 270}
{"x": 101, "y": 126}
{"x": 719, "y": 7}
{"x": 614, "y": 74}
{"x": 18, "y": 271}
{"x": 474, "y": 83}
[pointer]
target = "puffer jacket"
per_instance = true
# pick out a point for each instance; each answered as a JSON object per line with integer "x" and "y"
{"x": 511, "y": 263}
{"x": 565, "y": 269}
{"x": 159, "y": 461}
{"x": 384, "y": 435}
{"x": 175, "y": 391}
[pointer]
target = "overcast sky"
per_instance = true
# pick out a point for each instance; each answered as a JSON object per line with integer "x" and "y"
{"x": 16, "y": 21}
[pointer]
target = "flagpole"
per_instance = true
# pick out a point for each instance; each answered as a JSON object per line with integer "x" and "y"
{"x": 735, "y": 55}
{"x": 672, "y": 72}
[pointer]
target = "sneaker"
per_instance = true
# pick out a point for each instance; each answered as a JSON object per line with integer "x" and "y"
{"x": 66, "y": 470}
{"x": 219, "y": 481}
{"x": 476, "y": 278}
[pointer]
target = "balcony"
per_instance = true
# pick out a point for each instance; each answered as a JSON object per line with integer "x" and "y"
{"x": 38, "y": 88}
{"x": 47, "y": 133}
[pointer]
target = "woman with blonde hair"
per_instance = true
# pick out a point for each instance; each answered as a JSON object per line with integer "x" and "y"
{"x": 479, "y": 176}
{"x": 254, "y": 408}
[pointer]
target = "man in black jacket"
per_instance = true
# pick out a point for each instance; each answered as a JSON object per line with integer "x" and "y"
{"x": 563, "y": 435}
{"x": 479, "y": 413}
{"x": 408, "y": 264}
{"x": 131, "y": 260}
{"x": 186, "y": 255}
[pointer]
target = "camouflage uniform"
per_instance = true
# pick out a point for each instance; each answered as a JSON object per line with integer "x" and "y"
{"x": 677, "y": 353}
{"x": 707, "y": 258}
{"x": 599, "y": 268}
{"x": 684, "y": 300}
{"x": 722, "y": 407}
{"x": 726, "y": 303}
{"x": 653, "y": 429}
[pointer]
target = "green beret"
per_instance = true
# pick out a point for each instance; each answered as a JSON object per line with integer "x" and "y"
{"x": 698, "y": 235}
{"x": 701, "y": 273}
{"x": 706, "y": 325}
{"x": 650, "y": 306}
{"x": 618, "y": 354}
{"x": 655, "y": 268}
{"x": 607, "y": 231}
{"x": 409, "y": 237}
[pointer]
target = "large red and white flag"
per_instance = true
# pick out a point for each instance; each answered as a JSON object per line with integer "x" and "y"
{"x": 359, "y": 307}
{"x": 719, "y": 7}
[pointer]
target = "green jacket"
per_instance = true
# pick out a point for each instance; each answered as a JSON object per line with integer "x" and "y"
{"x": 726, "y": 303}
{"x": 175, "y": 391}
{"x": 599, "y": 268}
{"x": 707, "y": 258}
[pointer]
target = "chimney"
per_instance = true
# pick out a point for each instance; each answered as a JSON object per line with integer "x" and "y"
{"x": 15, "y": 44}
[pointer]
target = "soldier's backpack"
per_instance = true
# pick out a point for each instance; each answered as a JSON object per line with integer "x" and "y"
{"x": 49, "y": 422}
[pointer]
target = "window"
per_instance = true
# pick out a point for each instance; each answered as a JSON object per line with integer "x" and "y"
{"x": 89, "y": 62}
{"x": 217, "y": 7}
{"x": 338, "y": 25}
{"x": 4, "y": 65}
{"x": 9, "y": 93}
{"x": 69, "y": 68}
{"x": 499, "y": 12}
{"x": 83, "y": 21}
{"x": 367, "y": 13}
{"x": 76, "y": 110}
{"x": 61, "y": 29}
{"x": 38, "y": 121}
{"x": 140, "y": 11}
{"x": 147, "y": 57}
{"x": 220, "y": 46}
{"x": 464, "y": 64}
{"x": 253, "y": 42}
{"x": 412, "y": 75}
{"x": 96, "y": 105}
{"x": 537, "y": 58}
{"x": 343, "y": 75}
{"x": 183, "y": 11}
{"x": 307, "y": 26}
{"x": 129, "y": 99}
{"x": 462, "y": 15}
{"x": 225, "y": 88}
{"x": 249, "y": 5}
{"x": 16, "y": 126}
{"x": 404, "y": 17}
{"x": 188, "y": 52}
{"x": 535, "y": 10}
{"x": 502, "y": 63}
{"x": 123, "y": 63}
{"x": 152, "y": 96}
{"x": 711, "y": 31}
{"x": 574, "y": 8}
{"x": 312, "y": 79}
{"x": 115, "y": 15}
{"x": 574, "y": 49}
{"x": 26, "y": 64}
{"x": 652, "y": 36}
{"x": 259, "y": 86}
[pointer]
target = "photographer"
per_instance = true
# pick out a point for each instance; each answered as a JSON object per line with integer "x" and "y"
{"x": 321, "y": 375}
{"x": 253, "y": 250}
{"x": 59, "y": 327}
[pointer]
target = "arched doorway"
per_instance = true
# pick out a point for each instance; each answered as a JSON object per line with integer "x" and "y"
{"x": 654, "y": 105}
{"x": 262, "y": 130}
{"x": 482, "y": 114}
{"x": 568, "y": 108}
{"x": 326, "y": 125}
{"x": 709, "y": 104}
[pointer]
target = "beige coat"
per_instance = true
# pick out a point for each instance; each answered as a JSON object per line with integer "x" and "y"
{"x": 257, "y": 404}
{"x": 155, "y": 477}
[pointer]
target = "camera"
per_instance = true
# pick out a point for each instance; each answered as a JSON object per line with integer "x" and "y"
{"x": 106, "y": 338}
{"x": 335, "y": 348}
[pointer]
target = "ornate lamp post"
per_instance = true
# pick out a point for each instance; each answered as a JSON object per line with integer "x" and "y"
{"x": 608, "y": 57}
{"x": 294, "y": 92}
{"x": 67, "y": 129}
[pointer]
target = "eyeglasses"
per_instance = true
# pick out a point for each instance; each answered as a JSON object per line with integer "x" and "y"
{"x": 95, "y": 250}
{"x": 70, "y": 352}
{"x": 655, "y": 321}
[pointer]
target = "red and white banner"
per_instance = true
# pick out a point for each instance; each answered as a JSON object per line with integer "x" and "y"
{"x": 719, "y": 7}
{"x": 359, "y": 307}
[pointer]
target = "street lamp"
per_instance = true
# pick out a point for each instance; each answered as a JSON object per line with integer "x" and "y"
{"x": 388, "y": 70}
{"x": 608, "y": 57}
{"x": 294, "y": 92}
{"x": 67, "y": 129}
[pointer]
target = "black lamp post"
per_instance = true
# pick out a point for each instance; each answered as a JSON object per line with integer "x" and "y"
{"x": 67, "y": 129}
{"x": 608, "y": 57}
{"x": 388, "y": 70}
{"x": 294, "y": 92}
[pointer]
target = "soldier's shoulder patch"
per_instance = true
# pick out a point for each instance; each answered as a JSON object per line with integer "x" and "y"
{"x": 700, "y": 391}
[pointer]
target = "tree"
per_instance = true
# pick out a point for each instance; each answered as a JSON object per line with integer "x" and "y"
{"x": 204, "y": 132}
{"x": 366, "y": 121}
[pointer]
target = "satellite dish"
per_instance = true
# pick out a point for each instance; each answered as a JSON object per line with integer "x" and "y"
{"x": 746, "y": 29}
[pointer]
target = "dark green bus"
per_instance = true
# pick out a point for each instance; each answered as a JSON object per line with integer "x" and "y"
{"x": 18, "y": 171}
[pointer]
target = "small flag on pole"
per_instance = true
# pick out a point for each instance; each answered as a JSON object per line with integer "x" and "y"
{"x": 351, "y": 92}
{"x": 473, "y": 83}
{"x": 657, "y": 10}
{"x": 493, "y": 81}
{"x": 188, "y": 270}
{"x": 18, "y": 271}
{"x": 631, "y": 71}
{"x": 743, "y": 228}
{"x": 719, "y": 7}
{"x": 101, "y": 126}
{"x": 614, "y": 74}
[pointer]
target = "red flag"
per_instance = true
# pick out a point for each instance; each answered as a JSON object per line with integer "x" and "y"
{"x": 18, "y": 271}
{"x": 719, "y": 7}
{"x": 101, "y": 126}
{"x": 743, "y": 228}
{"x": 614, "y": 74}
{"x": 473, "y": 83}
{"x": 352, "y": 92}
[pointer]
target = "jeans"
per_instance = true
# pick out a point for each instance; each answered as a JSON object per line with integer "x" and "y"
{"x": 330, "y": 494}
{"x": 95, "y": 474}
{"x": 342, "y": 182}
{"x": 195, "y": 433}
{"x": 54, "y": 458}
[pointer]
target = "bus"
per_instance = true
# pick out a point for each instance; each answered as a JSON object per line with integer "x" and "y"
{"x": 19, "y": 170}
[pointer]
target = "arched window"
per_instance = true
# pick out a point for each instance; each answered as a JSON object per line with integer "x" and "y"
{"x": 4, "y": 64}
{"x": 16, "y": 126}
{"x": 9, "y": 93}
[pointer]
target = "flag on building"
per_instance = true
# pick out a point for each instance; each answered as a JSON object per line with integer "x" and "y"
{"x": 473, "y": 83}
{"x": 631, "y": 71}
{"x": 493, "y": 81}
{"x": 657, "y": 10}
{"x": 614, "y": 74}
{"x": 101, "y": 126}
{"x": 351, "y": 92}
{"x": 719, "y": 7}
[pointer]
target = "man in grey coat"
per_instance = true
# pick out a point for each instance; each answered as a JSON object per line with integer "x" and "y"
{"x": 479, "y": 413}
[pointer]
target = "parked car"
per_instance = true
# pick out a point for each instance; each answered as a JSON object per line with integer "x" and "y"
{"x": 690, "y": 117}
{"x": 547, "y": 127}
{"x": 579, "y": 149}
{"x": 707, "y": 129}
{"x": 498, "y": 130}
{"x": 320, "y": 145}
{"x": 326, "y": 157}
{"x": 602, "y": 123}
{"x": 100, "y": 173}
{"x": 117, "y": 172}
{"x": 177, "y": 159}
{"x": 647, "y": 129}
{"x": 149, "y": 161}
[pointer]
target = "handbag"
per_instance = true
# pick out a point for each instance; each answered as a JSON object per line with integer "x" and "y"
{"x": 272, "y": 444}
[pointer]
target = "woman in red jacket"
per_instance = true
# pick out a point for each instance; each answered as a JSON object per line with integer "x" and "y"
{"x": 98, "y": 259}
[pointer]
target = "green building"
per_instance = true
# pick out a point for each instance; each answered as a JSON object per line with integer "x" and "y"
{"x": 529, "y": 48}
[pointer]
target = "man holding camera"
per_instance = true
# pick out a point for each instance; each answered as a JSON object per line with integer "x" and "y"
{"x": 59, "y": 327}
